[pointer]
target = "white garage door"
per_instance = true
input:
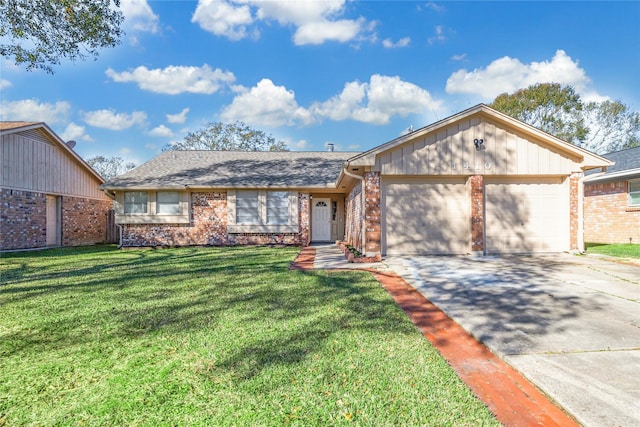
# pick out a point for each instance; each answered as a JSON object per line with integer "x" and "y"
{"x": 425, "y": 216}
{"x": 526, "y": 215}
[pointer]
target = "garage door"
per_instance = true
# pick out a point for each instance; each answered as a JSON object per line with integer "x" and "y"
{"x": 422, "y": 216}
{"x": 526, "y": 215}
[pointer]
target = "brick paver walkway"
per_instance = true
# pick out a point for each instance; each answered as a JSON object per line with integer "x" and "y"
{"x": 509, "y": 395}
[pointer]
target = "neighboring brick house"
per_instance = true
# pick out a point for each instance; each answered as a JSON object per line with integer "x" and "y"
{"x": 49, "y": 195}
{"x": 476, "y": 182}
{"x": 612, "y": 200}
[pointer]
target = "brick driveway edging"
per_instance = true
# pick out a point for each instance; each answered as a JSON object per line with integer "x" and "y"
{"x": 507, "y": 393}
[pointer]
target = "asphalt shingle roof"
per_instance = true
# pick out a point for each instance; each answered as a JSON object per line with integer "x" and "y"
{"x": 15, "y": 125}
{"x": 224, "y": 169}
{"x": 625, "y": 160}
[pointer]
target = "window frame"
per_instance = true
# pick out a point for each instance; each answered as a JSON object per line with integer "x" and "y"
{"x": 175, "y": 204}
{"x": 125, "y": 204}
{"x": 263, "y": 226}
{"x": 254, "y": 209}
{"x": 280, "y": 209}
{"x": 635, "y": 193}
{"x": 151, "y": 216}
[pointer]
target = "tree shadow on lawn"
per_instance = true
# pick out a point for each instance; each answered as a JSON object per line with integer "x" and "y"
{"x": 142, "y": 294}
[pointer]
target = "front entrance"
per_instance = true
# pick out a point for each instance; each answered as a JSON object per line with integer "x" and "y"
{"x": 321, "y": 220}
{"x": 53, "y": 221}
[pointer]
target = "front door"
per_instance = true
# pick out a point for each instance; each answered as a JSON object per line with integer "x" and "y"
{"x": 321, "y": 220}
{"x": 53, "y": 221}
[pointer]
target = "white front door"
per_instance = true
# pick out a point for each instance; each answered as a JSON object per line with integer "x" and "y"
{"x": 321, "y": 220}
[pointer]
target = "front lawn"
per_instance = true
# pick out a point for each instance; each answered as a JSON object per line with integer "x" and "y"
{"x": 624, "y": 250}
{"x": 212, "y": 336}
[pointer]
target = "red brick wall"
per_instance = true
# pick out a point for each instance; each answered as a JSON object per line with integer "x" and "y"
{"x": 353, "y": 221}
{"x": 208, "y": 226}
{"x": 23, "y": 220}
{"x": 477, "y": 213}
{"x": 84, "y": 221}
{"x": 574, "y": 209}
{"x": 372, "y": 213}
{"x": 607, "y": 215}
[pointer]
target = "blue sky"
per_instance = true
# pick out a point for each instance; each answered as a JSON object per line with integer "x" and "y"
{"x": 352, "y": 73}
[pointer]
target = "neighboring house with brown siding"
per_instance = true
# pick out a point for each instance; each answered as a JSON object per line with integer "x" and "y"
{"x": 612, "y": 200}
{"x": 49, "y": 195}
{"x": 476, "y": 182}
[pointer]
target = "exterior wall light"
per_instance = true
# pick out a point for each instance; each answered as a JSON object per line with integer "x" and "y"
{"x": 479, "y": 143}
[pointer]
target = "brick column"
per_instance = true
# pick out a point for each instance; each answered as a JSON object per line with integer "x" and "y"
{"x": 477, "y": 213}
{"x": 303, "y": 219}
{"x": 372, "y": 227}
{"x": 574, "y": 206}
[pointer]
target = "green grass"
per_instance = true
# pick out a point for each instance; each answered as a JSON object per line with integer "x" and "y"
{"x": 624, "y": 250}
{"x": 212, "y": 336}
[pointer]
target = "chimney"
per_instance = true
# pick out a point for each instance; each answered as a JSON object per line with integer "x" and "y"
{"x": 330, "y": 147}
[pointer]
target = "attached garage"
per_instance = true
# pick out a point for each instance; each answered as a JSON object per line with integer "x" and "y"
{"x": 525, "y": 215}
{"x": 477, "y": 182}
{"x": 425, "y": 215}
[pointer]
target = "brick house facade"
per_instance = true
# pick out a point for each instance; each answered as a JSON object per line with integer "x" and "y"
{"x": 608, "y": 216}
{"x": 476, "y": 182}
{"x": 49, "y": 195}
{"x": 208, "y": 226}
{"x": 612, "y": 200}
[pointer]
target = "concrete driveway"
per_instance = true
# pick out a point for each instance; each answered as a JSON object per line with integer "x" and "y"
{"x": 569, "y": 324}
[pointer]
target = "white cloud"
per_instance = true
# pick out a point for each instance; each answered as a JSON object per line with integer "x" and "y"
{"x": 459, "y": 57}
{"x": 175, "y": 79}
{"x": 322, "y": 31}
{"x": 431, "y": 5}
{"x": 73, "y": 132}
{"x": 181, "y": 117}
{"x": 374, "y": 102}
{"x": 161, "y": 131}
{"x": 109, "y": 119}
{"x": 315, "y": 21}
{"x": 223, "y": 18}
{"x": 403, "y": 42}
{"x": 4, "y": 83}
{"x": 139, "y": 16}
{"x": 508, "y": 74}
{"x": 268, "y": 105}
{"x": 377, "y": 101}
{"x": 32, "y": 110}
{"x": 439, "y": 36}
{"x": 300, "y": 145}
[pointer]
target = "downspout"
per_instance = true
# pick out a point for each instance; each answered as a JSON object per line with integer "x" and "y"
{"x": 580, "y": 239}
{"x": 363, "y": 236}
{"x": 120, "y": 236}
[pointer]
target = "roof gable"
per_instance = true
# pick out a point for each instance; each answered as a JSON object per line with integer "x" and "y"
{"x": 235, "y": 169}
{"x": 469, "y": 126}
{"x": 40, "y": 131}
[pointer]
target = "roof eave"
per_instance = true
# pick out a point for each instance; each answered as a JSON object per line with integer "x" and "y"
{"x": 626, "y": 174}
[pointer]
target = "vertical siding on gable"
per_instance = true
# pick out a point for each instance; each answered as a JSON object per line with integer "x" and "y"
{"x": 30, "y": 162}
{"x": 451, "y": 151}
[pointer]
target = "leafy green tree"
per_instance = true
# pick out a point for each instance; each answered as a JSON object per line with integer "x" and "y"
{"x": 110, "y": 167}
{"x": 227, "y": 137}
{"x": 39, "y": 33}
{"x": 600, "y": 127}
{"x": 549, "y": 107}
